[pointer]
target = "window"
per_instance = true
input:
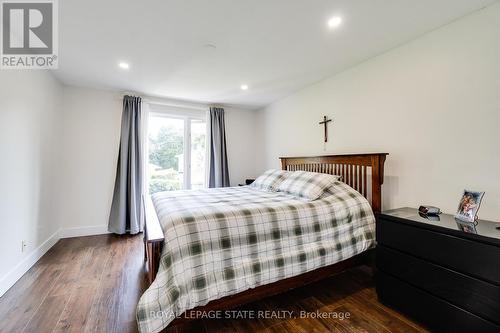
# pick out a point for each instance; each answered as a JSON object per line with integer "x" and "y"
{"x": 176, "y": 150}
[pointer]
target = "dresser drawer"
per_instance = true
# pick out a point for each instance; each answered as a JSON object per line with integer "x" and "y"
{"x": 430, "y": 310}
{"x": 466, "y": 256}
{"x": 471, "y": 294}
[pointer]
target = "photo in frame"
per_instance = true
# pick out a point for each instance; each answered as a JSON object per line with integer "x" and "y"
{"x": 469, "y": 205}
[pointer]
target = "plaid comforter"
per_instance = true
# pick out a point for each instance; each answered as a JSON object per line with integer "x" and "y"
{"x": 220, "y": 242}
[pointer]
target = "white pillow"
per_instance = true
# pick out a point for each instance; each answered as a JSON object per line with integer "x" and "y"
{"x": 307, "y": 185}
{"x": 270, "y": 180}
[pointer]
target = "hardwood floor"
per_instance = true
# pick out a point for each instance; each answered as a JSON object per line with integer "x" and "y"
{"x": 92, "y": 284}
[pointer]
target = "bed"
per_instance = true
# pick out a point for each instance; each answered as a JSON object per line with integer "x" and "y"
{"x": 216, "y": 249}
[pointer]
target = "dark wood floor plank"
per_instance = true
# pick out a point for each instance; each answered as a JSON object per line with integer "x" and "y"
{"x": 77, "y": 260}
{"x": 93, "y": 284}
{"x": 23, "y": 307}
{"x": 46, "y": 318}
{"x": 305, "y": 325}
{"x": 277, "y": 329}
{"x": 357, "y": 320}
{"x": 132, "y": 285}
{"x": 105, "y": 307}
{"x": 392, "y": 323}
{"x": 75, "y": 315}
{"x": 190, "y": 327}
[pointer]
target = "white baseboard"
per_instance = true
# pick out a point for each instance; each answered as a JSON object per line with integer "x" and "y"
{"x": 84, "y": 231}
{"x": 17, "y": 272}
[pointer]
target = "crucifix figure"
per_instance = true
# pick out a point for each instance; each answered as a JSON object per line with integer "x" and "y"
{"x": 325, "y": 123}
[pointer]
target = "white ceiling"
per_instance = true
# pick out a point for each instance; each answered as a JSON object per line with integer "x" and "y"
{"x": 274, "y": 46}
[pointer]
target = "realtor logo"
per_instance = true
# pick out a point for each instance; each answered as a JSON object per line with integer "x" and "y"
{"x": 29, "y": 34}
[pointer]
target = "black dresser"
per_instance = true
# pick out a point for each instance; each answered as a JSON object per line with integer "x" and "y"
{"x": 442, "y": 273}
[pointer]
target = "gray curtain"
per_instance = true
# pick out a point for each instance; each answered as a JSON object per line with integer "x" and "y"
{"x": 218, "y": 175}
{"x": 125, "y": 216}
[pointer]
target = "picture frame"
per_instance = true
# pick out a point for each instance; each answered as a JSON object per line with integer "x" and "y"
{"x": 469, "y": 205}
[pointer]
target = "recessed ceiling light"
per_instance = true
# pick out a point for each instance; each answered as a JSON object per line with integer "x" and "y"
{"x": 334, "y": 22}
{"x": 244, "y": 87}
{"x": 124, "y": 65}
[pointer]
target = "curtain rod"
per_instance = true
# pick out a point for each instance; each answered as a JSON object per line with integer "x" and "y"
{"x": 178, "y": 104}
{"x": 172, "y": 102}
{"x": 169, "y": 102}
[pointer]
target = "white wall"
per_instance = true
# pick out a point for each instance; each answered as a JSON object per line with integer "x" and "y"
{"x": 92, "y": 120}
{"x": 91, "y": 135}
{"x": 241, "y": 127}
{"x": 433, "y": 104}
{"x": 30, "y": 114}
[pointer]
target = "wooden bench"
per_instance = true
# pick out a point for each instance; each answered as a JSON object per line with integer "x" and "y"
{"x": 153, "y": 238}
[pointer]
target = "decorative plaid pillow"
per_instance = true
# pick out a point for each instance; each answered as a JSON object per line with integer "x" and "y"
{"x": 307, "y": 185}
{"x": 270, "y": 180}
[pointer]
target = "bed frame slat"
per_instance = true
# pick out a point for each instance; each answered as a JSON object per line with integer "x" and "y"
{"x": 353, "y": 168}
{"x": 365, "y": 189}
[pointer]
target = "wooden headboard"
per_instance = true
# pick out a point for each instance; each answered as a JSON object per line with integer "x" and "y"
{"x": 363, "y": 172}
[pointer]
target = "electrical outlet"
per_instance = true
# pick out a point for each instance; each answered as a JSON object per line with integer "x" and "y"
{"x": 23, "y": 245}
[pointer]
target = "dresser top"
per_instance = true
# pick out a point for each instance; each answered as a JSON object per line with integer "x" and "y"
{"x": 481, "y": 228}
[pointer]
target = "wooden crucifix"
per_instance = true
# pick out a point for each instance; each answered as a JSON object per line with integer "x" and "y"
{"x": 325, "y": 123}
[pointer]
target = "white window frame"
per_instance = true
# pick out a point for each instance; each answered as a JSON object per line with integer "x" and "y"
{"x": 187, "y": 114}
